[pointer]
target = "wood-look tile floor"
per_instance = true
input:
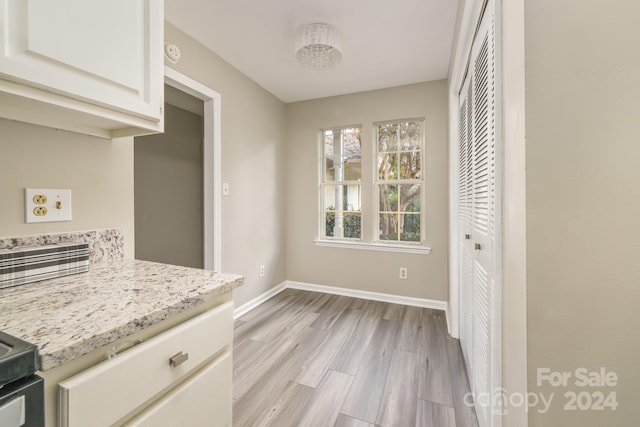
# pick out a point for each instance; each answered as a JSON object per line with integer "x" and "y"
{"x": 312, "y": 359}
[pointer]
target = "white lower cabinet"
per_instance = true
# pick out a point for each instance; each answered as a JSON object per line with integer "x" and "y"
{"x": 203, "y": 400}
{"x": 181, "y": 374}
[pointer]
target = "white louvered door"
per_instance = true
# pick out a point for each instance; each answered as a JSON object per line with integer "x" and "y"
{"x": 465, "y": 223}
{"x": 477, "y": 217}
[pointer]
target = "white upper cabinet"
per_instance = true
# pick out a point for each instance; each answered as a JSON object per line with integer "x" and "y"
{"x": 94, "y": 67}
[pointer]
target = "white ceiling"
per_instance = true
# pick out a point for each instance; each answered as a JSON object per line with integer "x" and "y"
{"x": 385, "y": 43}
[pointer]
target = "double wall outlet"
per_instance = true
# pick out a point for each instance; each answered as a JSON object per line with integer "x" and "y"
{"x": 47, "y": 205}
{"x": 262, "y": 271}
{"x": 404, "y": 273}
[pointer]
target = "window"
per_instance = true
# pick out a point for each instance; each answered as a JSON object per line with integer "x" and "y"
{"x": 341, "y": 186}
{"x": 392, "y": 179}
{"x": 399, "y": 183}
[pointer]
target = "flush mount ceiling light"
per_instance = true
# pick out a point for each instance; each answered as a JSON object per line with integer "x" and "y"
{"x": 318, "y": 46}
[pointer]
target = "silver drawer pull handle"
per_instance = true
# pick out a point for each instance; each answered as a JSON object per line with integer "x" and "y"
{"x": 178, "y": 359}
{"x": 467, "y": 236}
{"x": 478, "y": 246}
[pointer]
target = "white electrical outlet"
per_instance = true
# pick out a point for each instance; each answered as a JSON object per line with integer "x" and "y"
{"x": 47, "y": 205}
{"x": 403, "y": 273}
{"x": 262, "y": 271}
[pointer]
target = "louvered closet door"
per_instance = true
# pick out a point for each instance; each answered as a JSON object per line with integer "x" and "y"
{"x": 477, "y": 215}
{"x": 465, "y": 221}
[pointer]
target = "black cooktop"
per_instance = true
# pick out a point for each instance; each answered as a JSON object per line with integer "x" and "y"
{"x": 18, "y": 358}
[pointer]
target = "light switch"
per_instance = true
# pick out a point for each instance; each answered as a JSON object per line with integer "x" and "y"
{"x": 225, "y": 188}
{"x": 47, "y": 205}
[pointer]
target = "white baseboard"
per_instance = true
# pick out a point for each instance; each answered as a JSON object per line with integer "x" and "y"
{"x": 354, "y": 293}
{"x": 246, "y": 307}
{"x": 375, "y": 296}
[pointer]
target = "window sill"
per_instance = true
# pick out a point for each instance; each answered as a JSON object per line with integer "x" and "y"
{"x": 407, "y": 249}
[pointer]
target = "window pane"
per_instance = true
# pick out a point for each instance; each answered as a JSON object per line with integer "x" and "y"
{"x": 409, "y": 197}
{"x": 342, "y": 211}
{"x": 328, "y": 143}
{"x": 343, "y": 224}
{"x": 400, "y": 209}
{"x": 352, "y": 162}
{"x": 410, "y": 227}
{"x": 410, "y": 136}
{"x": 388, "y": 227}
{"x": 387, "y": 137}
{"x": 387, "y": 166}
{"x": 330, "y": 197}
{"x": 329, "y": 222}
{"x": 342, "y": 155}
{"x": 352, "y": 225}
{"x": 352, "y": 197}
{"x": 402, "y": 228}
{"x": 329, "y": 169}
{"x": 343, "y": 197}
{"x": 388, "y": 195}
{"x": 410, "y": 165}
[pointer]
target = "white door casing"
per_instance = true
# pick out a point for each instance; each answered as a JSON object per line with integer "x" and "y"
{"x": 212, "y": 156}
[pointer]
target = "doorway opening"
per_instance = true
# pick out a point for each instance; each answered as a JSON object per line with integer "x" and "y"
{"x": 168, "y": 177}
{"x": 177, "y": 179}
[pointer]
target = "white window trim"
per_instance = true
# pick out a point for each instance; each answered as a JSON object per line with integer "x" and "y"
{"x": 322, "y": 183}
{"x": 406, "y": 248}
{"x": 376, "y": 194}
{"x": 420, "y": 248}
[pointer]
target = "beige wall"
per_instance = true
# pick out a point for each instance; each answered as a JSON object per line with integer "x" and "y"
{"x": 363, "y": 269}
{"x": 253, "y": 163}
{"x": 583, "y": 200}
{"x": 99, "y": 172}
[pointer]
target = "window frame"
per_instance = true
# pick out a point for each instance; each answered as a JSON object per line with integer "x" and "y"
{"x": 376, "y": 182}
{"x": 322, "y": 183}
{"x": 369, "y": 195}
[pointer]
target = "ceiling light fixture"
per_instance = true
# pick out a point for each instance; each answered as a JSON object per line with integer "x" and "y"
{"x": 318, "y": 46}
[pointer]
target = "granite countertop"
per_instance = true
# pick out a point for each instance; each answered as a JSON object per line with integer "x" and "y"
{"x": 71, "y": 316}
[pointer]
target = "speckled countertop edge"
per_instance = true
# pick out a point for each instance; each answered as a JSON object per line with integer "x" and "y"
{"x": 71, "y": 316}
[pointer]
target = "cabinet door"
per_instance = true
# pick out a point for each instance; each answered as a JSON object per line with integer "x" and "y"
{"x": 202, "y": 400}
{"x": 106, "y": 53}
{"x": 132, "y": 378}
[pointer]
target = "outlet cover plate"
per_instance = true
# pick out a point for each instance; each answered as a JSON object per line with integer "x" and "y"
{"x": 58, "y": 204}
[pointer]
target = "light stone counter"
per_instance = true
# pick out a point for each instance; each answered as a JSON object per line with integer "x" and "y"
{"x": 71, "y": 316}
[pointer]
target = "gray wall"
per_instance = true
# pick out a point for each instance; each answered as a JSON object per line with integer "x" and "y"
{"x": 99, "y": 172}
{"x": 253, "y": 163}
{"x": 169, "y": 204}
{"x": 583, "y": 200}
{"x": 363, "y": 269}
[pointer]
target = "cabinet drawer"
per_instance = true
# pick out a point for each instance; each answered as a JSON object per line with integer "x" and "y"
{"x": 110, "y": 391}
{"x": 202, "y": 400}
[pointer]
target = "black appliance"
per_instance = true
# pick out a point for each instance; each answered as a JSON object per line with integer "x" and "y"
{"x": 21, "y": 391}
